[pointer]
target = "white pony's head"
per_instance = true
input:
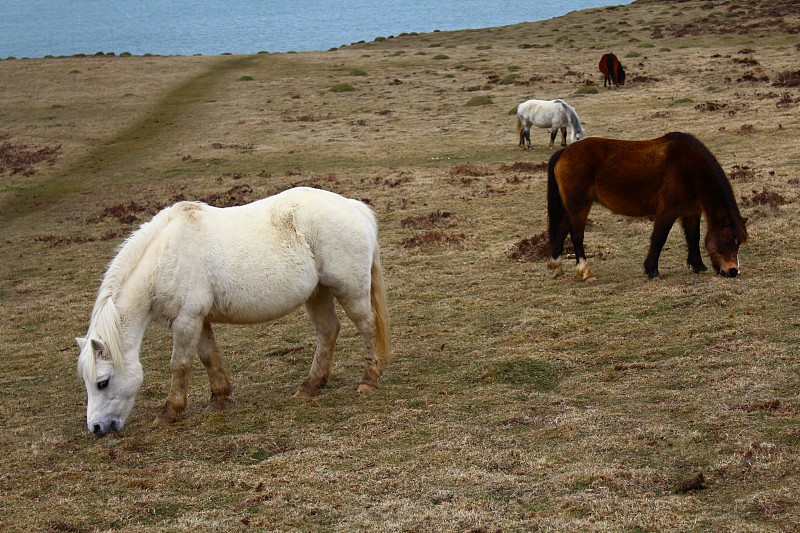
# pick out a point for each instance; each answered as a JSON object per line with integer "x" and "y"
{"x": 577, "y": 135}
{"x": 111, "y": 387}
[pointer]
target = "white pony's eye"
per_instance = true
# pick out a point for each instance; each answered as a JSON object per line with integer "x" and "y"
{"x": 102, "y": 384}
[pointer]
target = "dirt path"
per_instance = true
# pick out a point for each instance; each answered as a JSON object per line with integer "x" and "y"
{"x": 126, "y": 147}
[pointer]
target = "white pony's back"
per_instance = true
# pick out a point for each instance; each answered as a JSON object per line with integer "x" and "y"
{"x": 260, "y": 260}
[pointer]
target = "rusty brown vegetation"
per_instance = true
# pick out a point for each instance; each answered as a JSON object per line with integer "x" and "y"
{"x": 23, "y": 158}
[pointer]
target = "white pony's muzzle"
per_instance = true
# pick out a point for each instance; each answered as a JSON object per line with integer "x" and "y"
{"x": 101, "y": 428}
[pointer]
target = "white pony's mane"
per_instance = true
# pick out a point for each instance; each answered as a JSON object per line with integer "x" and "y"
{"x": 105, "y": 322}
{"x": 572, "y": 116}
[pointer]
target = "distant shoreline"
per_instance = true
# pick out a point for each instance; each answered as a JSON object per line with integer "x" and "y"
{"x": 117, "y": 29}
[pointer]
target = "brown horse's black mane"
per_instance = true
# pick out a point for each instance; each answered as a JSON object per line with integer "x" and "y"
{"x": 688, "y": 142}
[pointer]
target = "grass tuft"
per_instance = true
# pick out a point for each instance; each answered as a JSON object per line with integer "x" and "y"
{"x": 342, "y": 88}
{"x": 479, "y": 100}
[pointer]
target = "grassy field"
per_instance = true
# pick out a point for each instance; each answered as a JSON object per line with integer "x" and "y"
{"x": 515, "y": 402}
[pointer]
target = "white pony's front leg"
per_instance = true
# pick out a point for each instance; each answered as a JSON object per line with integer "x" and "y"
{"x": 185, "y": 338}
{"x": 209, "y": 355}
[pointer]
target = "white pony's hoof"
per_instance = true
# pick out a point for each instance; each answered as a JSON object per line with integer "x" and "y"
{"x": 219, "y": 403}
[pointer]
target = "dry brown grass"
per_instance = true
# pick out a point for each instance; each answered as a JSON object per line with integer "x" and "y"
{"x": 514, "y": 401}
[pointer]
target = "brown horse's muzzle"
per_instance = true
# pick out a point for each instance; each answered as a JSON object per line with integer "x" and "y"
{"x": 727, "y": 269}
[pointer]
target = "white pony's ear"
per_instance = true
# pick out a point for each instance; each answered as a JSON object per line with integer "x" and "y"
{"x": 101, "y": 349}
{"x": 81, "y": 342}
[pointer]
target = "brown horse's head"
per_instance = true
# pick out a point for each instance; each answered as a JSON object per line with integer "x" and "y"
{"x": 723, "y": 244}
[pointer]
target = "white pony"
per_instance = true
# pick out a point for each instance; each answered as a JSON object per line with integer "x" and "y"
{"x": 193, "y": 265}
{"x": 553, "y": 114}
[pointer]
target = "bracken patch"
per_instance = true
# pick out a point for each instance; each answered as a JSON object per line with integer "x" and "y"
{"x": 535, "y": 248}
{"x": 524, "y": 166}
{"x": 23, "y": 158}
{"x": 128, "y": 213}
{"x": 469, "y": 169}
{"x": 437, "y": 218}
{"x": 787, "y": 79}
{"x": 433, "y": 238}
{"x": 765, "y": 197}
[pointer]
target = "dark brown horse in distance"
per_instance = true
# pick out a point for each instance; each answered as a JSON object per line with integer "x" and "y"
{"x": 612, "y": 70}
{"x": 672, "y": 177}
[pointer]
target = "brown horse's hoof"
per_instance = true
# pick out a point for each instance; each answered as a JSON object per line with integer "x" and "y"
{"x": 556, "y": 266}
{"x": 218, "y": 403}
{"x": 583, "y": 271}
{"x": 366, "y": 387}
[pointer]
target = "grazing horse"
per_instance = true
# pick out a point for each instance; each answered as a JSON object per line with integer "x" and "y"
{"x": 553, "y": 114}
{"x": 193, "y": 265}
{"x": 612, "y": 70}
{"x": 674, "y": 176}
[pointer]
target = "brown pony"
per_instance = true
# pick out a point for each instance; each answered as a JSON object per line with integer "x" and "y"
{"x": 612, "y": 70}
{"x": 674, "y": 176}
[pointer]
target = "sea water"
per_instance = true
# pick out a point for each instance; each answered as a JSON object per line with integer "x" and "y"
{"x": 37, "y": 28}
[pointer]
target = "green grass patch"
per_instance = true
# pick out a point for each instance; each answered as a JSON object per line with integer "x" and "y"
{"x": 342, "y": 88}
{"x": 479, "y": 100}
{"x": 536, "y": 374}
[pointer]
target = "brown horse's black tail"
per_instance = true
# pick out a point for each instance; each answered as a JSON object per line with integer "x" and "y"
{"x": 555, "y": 206}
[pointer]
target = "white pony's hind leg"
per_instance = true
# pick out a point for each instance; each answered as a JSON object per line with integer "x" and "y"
{"x": 359, "y": 310}
{"x": 321, "y": 309}
{"x": 209, "y": 355}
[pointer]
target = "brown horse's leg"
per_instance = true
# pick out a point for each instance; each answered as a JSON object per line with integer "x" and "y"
{"x": 209, "y": 355}
{"x": 661, "y": 226}
{"x": 557, "y": 236}
{"x": 578, "y": 222}
{"x": 558, "y": 224}
{"x": 691, "y": 229}
{"x": 321, "y": 309}
{"x": 185, "y": 337}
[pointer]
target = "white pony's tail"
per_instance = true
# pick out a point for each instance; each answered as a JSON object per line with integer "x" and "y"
{"x": 519, "y": 125}
{"x": 377, "y": 296}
